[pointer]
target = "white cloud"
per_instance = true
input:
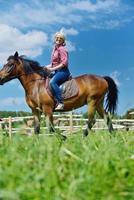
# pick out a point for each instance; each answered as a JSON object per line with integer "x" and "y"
{"x": 70, "y": 31}
{"x": 98, "y": 6}
{"x": 70, "y": 46}
{"x": 49, "y": 16}
{"x": 115, "y": 75}
{"x": 53, "y": 13}
{"x": 12, "y": 101}
{"x": 128, "y": 79}
{"x": 107, "y": 25}
{"x": 30, "y": 43}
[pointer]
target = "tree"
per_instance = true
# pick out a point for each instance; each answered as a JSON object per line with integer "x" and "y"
{"x": 129, "y": 114}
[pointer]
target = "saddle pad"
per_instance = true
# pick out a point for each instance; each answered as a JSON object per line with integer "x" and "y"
{"x": 69, "y": 89}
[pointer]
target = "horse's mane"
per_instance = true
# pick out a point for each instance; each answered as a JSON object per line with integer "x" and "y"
{"x": 31, "y": 66}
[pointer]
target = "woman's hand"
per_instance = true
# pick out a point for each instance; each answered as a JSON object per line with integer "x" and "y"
{"x": 49, "y": 70}
{"x": 48, "y": 66}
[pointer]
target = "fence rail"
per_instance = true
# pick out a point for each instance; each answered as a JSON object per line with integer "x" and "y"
{"x": 67, "y": 122}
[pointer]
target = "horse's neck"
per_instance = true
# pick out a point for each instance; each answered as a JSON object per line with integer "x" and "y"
{"x": 29, "y": 81}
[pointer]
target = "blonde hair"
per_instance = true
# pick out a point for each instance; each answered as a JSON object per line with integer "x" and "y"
{"x": 61, "y": 35}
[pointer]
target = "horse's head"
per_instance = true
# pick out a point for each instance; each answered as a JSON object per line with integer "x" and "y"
{"x": 9, "y": 70}
{"x": 18, "y": 66}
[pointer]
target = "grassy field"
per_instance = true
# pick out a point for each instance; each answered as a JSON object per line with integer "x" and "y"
{"x": 98, "y": 167}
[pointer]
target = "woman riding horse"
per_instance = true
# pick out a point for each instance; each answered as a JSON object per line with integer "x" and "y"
{"x": 92, "y": 90}
{"x": 59, "y": 65}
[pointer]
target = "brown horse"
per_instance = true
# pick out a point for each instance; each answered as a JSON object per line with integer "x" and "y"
{"x": 92, "y": 90}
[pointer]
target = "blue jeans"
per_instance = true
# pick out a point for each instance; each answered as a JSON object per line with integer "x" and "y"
{"x": 58, "y": 78}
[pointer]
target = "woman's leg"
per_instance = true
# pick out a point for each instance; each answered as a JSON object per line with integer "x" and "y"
{"x": 59, "y": 78}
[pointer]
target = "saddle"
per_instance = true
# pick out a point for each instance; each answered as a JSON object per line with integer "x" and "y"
{"x": 69, "y": 88}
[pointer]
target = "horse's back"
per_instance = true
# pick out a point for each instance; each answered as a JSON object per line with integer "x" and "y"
{"x": 92, "y": 84}
{"x": 90, "y": 78}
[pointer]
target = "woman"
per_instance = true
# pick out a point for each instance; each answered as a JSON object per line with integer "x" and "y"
{"x": 59, "y": 68}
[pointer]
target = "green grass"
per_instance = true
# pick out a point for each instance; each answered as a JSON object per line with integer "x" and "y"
{"x": 98, "y": 167}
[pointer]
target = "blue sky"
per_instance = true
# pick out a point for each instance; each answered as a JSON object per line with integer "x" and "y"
{"x": 100, "y": 40}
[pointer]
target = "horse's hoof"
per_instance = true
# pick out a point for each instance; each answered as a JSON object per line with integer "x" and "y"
{"x": 112, "y": 134}
{"x": 85, "y": 133}
{"x": 61, "y": 137}
{"x": 64, "y": 137}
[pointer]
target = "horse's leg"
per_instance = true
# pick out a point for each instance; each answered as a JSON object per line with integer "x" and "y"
{"x": 49, "y": 122}
{"x": 106, "y": 117}
{"x": 36, "y": 115}
{"x": 91, "y": 113}
{"x": 47, "y": 110}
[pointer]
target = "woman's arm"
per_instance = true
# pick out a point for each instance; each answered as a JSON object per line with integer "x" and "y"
{"x": 48, "y": 66}
{"x": 56, "y": 67}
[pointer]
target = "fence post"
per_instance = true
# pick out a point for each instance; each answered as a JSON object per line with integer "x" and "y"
{"x": 71, "y": 121}
{"x": 10, "y": 126}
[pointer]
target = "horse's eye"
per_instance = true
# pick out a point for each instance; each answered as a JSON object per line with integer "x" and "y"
{"x": 10, "y": 63}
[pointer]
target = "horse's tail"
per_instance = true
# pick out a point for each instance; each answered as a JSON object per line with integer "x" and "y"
{"x": 112, "y": 95}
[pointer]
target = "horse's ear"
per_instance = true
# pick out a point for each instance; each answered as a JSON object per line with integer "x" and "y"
{"x": 16, "y": 54}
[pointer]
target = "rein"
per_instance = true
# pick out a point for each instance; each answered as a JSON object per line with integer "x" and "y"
{"x": 18, "y": 76}
{"x": 25, "y": 74}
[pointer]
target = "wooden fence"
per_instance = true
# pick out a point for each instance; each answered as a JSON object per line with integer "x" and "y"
{"x": 67, "y": 122}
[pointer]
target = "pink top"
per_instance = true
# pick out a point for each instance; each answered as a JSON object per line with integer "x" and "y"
{"x": 59, "y": 55}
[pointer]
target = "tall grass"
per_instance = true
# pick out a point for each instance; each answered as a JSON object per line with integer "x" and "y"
{"x": 99, "y": 167}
